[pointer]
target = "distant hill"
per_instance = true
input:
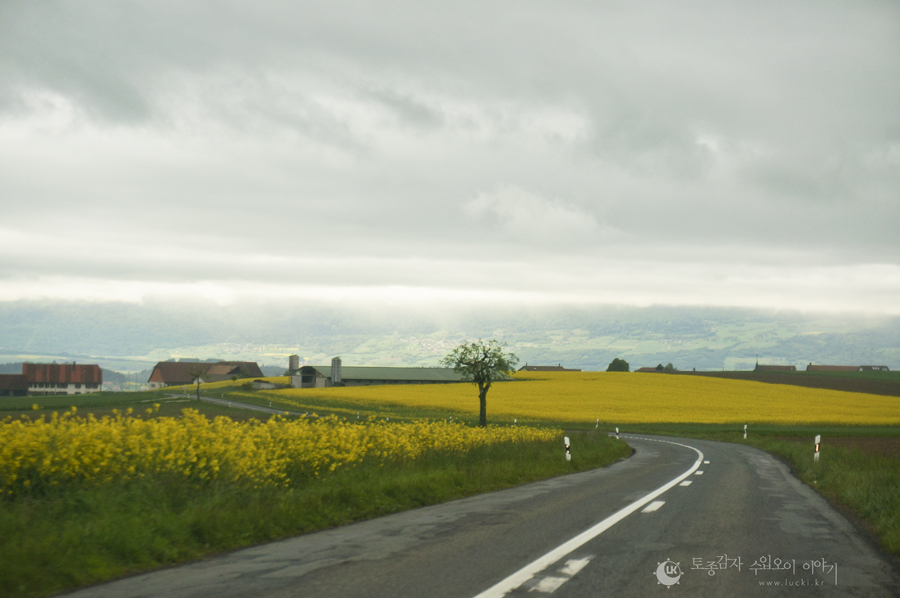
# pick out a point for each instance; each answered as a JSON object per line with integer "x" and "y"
{"x": 123, "y": 336}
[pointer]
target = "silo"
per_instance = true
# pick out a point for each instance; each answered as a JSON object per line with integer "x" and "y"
{"x": 335, "y": 371}
{"x": 293, "y": 363}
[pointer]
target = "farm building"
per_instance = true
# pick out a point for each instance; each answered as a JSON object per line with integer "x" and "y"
{"x": 649, "y": 369}
{"x": 182, "y": 373}
{"x": 847, "y": 368}
{"x": 266, "y": 385}
{"x": 832, "y": 368}
{"x": 545, "y": 368}
{"x": 774, "y": 368}
{"x": 62, "y": 378}
{"x": 324, "y": 376}
{"x": 13, "y": 385}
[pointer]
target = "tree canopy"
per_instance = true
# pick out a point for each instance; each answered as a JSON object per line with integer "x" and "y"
{"x": 618, "y": 365}
{"x": 481, "y": 362}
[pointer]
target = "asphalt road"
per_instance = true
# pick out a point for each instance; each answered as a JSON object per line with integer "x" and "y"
{"x": 742, "y": 527}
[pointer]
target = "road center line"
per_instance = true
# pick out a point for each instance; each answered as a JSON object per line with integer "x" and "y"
{"x": 530, "y": 570}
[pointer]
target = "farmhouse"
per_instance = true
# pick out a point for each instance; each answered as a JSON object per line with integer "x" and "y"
{"x": 545, "y": 368}
{"x": 218, "y": 372}
{"x": 324, "y": 376}
{"x": 62, "y": 378}
{"x": 13, "y": 385}
{"x": 182, "y": 373}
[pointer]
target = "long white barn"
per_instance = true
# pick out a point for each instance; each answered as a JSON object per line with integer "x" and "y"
{"x": 336, "y": 374}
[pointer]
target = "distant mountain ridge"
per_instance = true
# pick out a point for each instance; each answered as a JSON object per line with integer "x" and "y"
{"x": 124, "y": 336}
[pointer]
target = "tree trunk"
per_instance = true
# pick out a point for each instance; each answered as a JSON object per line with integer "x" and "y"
{"x": 482, "y": 397}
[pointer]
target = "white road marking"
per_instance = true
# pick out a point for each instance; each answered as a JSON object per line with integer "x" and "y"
{"x": 549, "y": 584}
{"x": 654, "y": 506}
{"x": 533, "y": 568}
{"x": 573, "y": 566}
{"x": 706, "y": 462}
{"x": 686, "y": 483}
{"x": 698, "y": 473}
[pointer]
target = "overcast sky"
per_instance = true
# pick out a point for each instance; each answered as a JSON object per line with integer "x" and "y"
{"x": 703, "y": 153}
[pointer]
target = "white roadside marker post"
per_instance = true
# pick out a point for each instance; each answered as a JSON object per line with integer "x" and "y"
{"x": 515, "y": 421}
{"x": 816, "y": 455}
{"x": 598, "y": 424}
{"x": 617, "y": 433}
{"x": 745, "y": 431}
{"x": 568, "y": 452}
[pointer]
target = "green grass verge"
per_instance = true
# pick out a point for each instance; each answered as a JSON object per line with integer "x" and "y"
{"x": 865, "y": 484}
{"x": 735, "y": 432}
{"x": 59, "y": 541}
{"x": 104, "y": 399}
{"x": 321, "y": 405}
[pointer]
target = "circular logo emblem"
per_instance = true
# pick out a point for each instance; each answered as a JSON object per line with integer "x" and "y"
{"x": 668, "y": 573}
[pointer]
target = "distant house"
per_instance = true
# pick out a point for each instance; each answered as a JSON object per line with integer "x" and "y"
{"x": 182, "y": 373}
{"x": 13, "y": 385}
{"x": 832, "y": 368}
{"x": 874, "y": 368}
{"x": 774, "y": 368}
{"x": 546, "y": 368}
{"x": 62, "y": 378}
{"x": 266, "y": 385}
{"x": 219, "y": 372}
{"x": 324, "y": 376}
{"x": 648, "y": 370}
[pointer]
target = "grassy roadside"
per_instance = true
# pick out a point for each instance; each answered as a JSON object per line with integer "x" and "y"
{"x": 71, "y": 538}
{"x": 856, "y": 479}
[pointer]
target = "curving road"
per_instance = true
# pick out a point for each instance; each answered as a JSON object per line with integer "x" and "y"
{"x": 678, "y": 518}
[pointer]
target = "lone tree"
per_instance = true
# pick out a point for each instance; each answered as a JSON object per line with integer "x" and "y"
{"x": 197, "y": 372}
{"x": 481, "y": 362}
{"x": 618, "y": 365}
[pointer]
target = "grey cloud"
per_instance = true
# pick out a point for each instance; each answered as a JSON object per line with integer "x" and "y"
{"x": 287, "y": 130}
{"x": 407, "y": 108}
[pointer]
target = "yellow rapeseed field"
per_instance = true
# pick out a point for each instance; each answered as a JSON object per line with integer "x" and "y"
{"x": 632, "y": 398}
{"x": 59, "y": 450}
